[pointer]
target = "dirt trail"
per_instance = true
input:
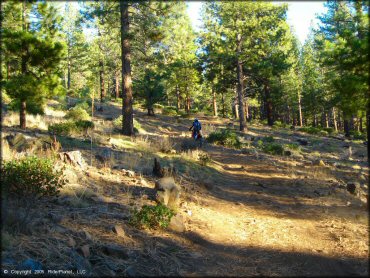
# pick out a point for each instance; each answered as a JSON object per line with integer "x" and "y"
{"x": 257, "y": 220}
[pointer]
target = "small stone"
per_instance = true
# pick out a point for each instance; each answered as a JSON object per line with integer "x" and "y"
{"x": 177, "y": 224}
{"x": 117, "y": 229}
{"x": 115, "y": 251}
{"x": 131, "y": 272}
{"x": 84, "y": 250}
{"x": 71, "y": 242}
{"x": 352, "y": 187}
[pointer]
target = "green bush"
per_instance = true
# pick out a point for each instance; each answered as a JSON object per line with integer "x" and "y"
{"x": 358, "y": 135}
{"x": 65, "y": 128}
{"x": 323, "y": 133}
{"x": 293, "y": 147}
{"x": 225, "y": 137}
{"x": 152, "y": 217}
{"x": 204, "y": 159}
{"x": 310, "y": 130}
{"x": 31, "y": 177}
{"x": 70, "y": 127}
{"x": 268, "y": 139}
{"x": 329, "y": 130}
{"x": 169, "y": 110}
{"x": 77, "y": 113}
{"x": 280, "y": 124}
{"x": 273, "y": 148}
{"x": 117, "y": 124}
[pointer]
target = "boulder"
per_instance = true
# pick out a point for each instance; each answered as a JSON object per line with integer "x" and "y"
{"x": 128, "y": 173}
{"x": 353, "y": 187}
{"x": 115, "y": 251}
{"x": 84, "y": 250}
{"x": 118, "y": 230}
{"x": 319, "y": 163}
{"x": 74, "y": 158}
{"x": 177, "y": 224}
{"x": 168, "y": 193}
{"x": 302, "y": 142}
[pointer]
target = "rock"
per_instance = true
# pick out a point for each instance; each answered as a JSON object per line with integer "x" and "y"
{"x": 128, "y": 173}
{"x": 30, "y": 264}
{"x": 55, "y": 218}
{"x": 157, "y": 169}
{"x": 74, "y": 157}
{"x": 84, "y": 250}
{"x": 71, "y": 242}
{"x": 79, "y": 262}
{"x": 319, "y": 163}
{"x": 353, "y": 187}
{"x": 115, "y": 251}
{"x": 172, "y": 151}
{"x": 177, "y": 224}
{"x": 131, "y": 272}
{"x": 302, "y": 142}
{"x": 117, "y": 229}
{"x": 168, "y": 193}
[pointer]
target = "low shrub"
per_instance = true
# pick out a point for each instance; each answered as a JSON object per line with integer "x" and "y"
{"x": 310, "y": 130}
{"x": 280, "y": 124}
{"x": 358, "y": 135}
{"x": 169, "y": 110}
{"x": 77, "y": 113}
{"x": 117, "y": 124}
{"x": 70, "y": 127}
{"x": 225, "y": 137}
{"x": 152, "y": 217}
{"x": 293, "y": 147}
{"x": 323, "y": 133}
{"x": 204, "y": 158}
{"x": 329, "y": 130}
{"x": 268, "y": 139}
{"x": 31, "y": 177}
{"x": 273, "y": 148}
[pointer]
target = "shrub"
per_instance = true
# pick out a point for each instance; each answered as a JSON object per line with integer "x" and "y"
{"x": 358, "y": 135}
{"x": 310, "y": 130}
{"x": 152, "y": 217}
{"x": 225, "y": 137}
{"x": 323, "y": 133}
{"x": 204, "y": 159}
{"x": 273, "y": 148}
{"x": 268, "y": 139}
{"x": 329, "y": 130}
{"x": 68, "y": 128}
{"x": 169, "y": 110}
{"x": 117, "y": 124}
{"x": 31, "y": 177}
{"x": 77, "y": 113}
{"x": 280, "y": 124}
{"x": 294, "y": 147}
{"x": 65, "y": 128}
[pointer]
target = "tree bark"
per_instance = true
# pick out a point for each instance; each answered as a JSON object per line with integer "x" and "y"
{"x": 22, "y": 110}
{"x": 117, "y": 85}
{"x": 270, "y": 119}
{"x": 346, "y": 127}
{"x": 223, "y": 105}
{"x": 102, "y": 85}
{"x": 127, "y": 111}
{"x": 178, "y": 98}
{"x": 300, "y": 109}
{"x": 368, "y": 134}
{"x": 240, "y": 78}
{"x": 334, "y": 120}
{"x": 214, "y": 102}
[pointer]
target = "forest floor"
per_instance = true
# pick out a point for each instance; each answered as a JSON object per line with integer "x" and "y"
{"x": 247, "y": 213}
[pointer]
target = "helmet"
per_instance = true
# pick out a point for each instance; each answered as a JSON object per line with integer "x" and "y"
{"x": 195, "y": 120}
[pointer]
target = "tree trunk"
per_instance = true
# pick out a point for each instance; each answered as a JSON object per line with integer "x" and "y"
{"x": 368, "y": 134}
{"x": 240, "y": 78}
{"x": 22, "y": 115}
{"x": 361, "y": 124}
{"x": 117, "y": 85}
{"x": 22, "y": 110}
{"x": 223, "y": 104}
{"x": 334, "y": 120}
{"x": 127, "y": 111}
{"x": 270, "y": 119}
{"x": 102, "y": 85}
{"x": 300, "y": 109}
{"x": 246, "y": 109}
{"x": 178, "y": 98}
{"x": 69, "y": 73}
{"x": 346, "y": 128}
{"x": 214, "y": 102}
